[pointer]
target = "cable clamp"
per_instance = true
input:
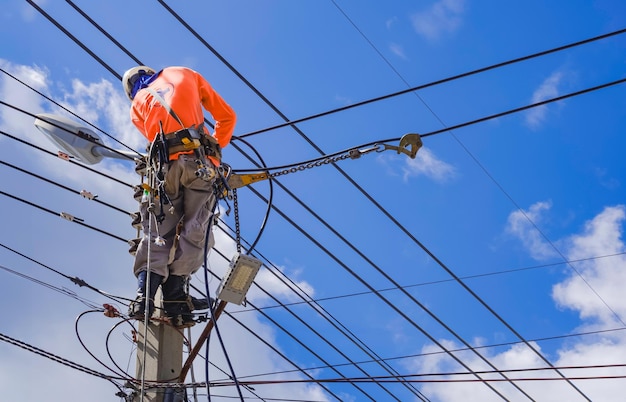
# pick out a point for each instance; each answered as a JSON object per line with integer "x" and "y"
{"x": 88, "y": 195}
{"x": 69, "y": 217}
{"x": 136, "y": 220}
{"x": 133, "y": 245}
{"x": 78, "y": 281}
{"x": 64, "y": 156}
{"x": 110, "y": 311}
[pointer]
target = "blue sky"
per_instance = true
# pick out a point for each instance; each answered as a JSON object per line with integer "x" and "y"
{"x": 505, "y": 236}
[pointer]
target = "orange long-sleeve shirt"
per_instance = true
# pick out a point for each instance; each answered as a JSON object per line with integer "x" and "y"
{"x": 187, "y": 92}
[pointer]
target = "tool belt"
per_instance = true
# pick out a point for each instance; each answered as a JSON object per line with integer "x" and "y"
{"x": 190, "y": 139}
{"x": 184, "y": 140}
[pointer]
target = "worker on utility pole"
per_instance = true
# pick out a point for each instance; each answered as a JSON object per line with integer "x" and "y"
{"x": 178, "y": 201}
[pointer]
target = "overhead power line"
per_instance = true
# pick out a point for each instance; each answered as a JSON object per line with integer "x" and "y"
{"x": 69, "y": 111}
{"x": 320, "y": 151}
{"x": 63, "y": 215}
{"x": 438, "y": 82}
{"x": 79, "y": 192}
{"x": 56, "y": 358}
{"x": 115, "y": 179}
{"x": 369, "y": 197}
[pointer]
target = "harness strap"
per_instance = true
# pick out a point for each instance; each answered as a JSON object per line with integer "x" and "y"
{"x": 190, "y": 138}
{"x": 165, "y": 105}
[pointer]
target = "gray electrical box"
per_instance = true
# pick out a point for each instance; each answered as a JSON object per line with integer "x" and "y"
{"x": 241, "y": 273}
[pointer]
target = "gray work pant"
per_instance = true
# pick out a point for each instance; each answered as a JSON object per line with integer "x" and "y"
{"x": 192, "y": 201}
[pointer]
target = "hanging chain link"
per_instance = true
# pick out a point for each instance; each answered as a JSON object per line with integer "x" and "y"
{"x": 236, "y": 215}
{"x": 352, "y": 154}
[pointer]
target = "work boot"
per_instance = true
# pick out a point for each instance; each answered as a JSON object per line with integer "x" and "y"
{"x": 137, "y": 307}
{"x": 201, "y": 304}
{"x": 177, "y": 303}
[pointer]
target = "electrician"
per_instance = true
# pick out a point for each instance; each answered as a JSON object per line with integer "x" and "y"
{"x": 167, "y": 107}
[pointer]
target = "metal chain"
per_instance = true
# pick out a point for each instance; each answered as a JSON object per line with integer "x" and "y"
{"x": 237, "y": 226}
{"x": 352, "y": 154}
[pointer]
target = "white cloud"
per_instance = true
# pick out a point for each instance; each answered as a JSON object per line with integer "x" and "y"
{"x": 524, "y": 225}
{"x": 596, "y": 283}
{"x": 280, "y": 288}
{"x": 15, "y": 93}
{"x": 398, "y": 50}
{"x": 427, "y": 164}
{"x": 549, "y": 88}
{"x": 601, "y": 236}
{"x": 391, "y": 22}
{"x": 444, "y": 16}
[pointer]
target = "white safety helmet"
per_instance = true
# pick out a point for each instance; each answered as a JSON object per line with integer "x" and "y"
{"x": 131, "y": 75}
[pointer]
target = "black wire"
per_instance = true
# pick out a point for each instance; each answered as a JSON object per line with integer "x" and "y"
{"x": 71, "y": 112}
{"x": 272, "y": 347}
{"x": 445, "y": 129}
{"x": 211, "y": 309}
{"x": 79, "y": 43}
{"x": 342, "y": 329}
{"x": 441, "y": 81}
{"x": 269, "y": 201}
{"x": 96, "y": 229}
{"x": 272, "y": 399}
{"x": 80, "y": 165}
{"x": 493, "y": 273}
{"x": 70, "y": 161}
{"x": 104, "y": 32}
{"x": 472, "y": 293}
{"x": 62, "y": 291}
{"x": 378, "y": 294}
{"x": 247, "y": 387}
{"x": 62, "y": 186}
{"x": 123, "y": 374}
{"x": 106, "y": 345}
{"x": 317, "y": 309}
{"x": 308, "y": 326}
{"x": 526, "y": 107}
{"x": 455, "y": 350}
{"x": 58, "y": 359}
{"x": 57, "y": 214}
{"x": 68, "y": 131}
{"x": 372, "y": 289}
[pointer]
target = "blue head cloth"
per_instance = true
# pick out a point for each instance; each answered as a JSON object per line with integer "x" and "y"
{"x": 142, "y": 82}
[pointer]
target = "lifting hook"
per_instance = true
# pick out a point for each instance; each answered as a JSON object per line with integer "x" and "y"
{"x": 412, "y": 139}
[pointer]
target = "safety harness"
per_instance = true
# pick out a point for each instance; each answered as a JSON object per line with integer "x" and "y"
{"x": 188, "y": 139}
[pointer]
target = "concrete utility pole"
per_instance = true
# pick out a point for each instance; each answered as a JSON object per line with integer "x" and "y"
{"x": 162, "y": 350}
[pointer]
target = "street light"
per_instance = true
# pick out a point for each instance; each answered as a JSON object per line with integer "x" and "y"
{"x": 77, "y": 140}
